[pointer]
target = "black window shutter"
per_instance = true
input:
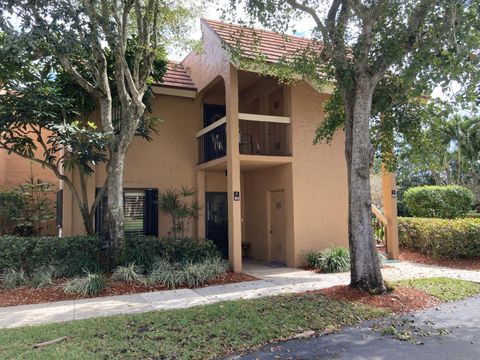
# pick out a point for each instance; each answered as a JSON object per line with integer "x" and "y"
{"x": 151, "y": 209}
{"x": 59, "y": 208}
{"x": 98, "y": 214}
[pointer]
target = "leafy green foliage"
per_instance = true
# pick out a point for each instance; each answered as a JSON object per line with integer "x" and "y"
{"x": 69, "y": 255}
{"x": 27, "y": 208}
{"x": 144, "y": 251}
{"x": 310, "y": 258}
{"x": 180, "y": 209}
{"x": 196, "y": 333}
{"x": 44, "y": 276}
{"x": 446, "y": 202}
{"x": 89, "y": 284}
{"x": 130, "y": 273}
{"x": 166, "y": 273}
{"x": 198, "y": 274}
{"x": 444, "y": 289}
{"x": 13, "y": 277}
{"x": 331, "y": 260}
{"x": 441, "y": 238}
{"x": 192, "y": 274}
{"x": 334, "y": 259}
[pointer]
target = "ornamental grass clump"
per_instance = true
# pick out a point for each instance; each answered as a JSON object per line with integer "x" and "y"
{"x": 198, "y": 274}
{"x": 166, "y": 273}
{"x": 131, "y": 273}
{"x": 310, "y": 258}
{"x": 334, "y": 259}
{"x": 44, "y": 276}
{"x": 90, "y": 284}
{"x": 12, "y": 278}
{"x": 192, "y": 274}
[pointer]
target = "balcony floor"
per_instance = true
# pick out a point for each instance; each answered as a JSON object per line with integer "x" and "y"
{"x": 247, "y": 162}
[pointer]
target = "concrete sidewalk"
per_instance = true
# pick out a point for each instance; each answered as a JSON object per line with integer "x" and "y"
{"x": 273, "y": 281}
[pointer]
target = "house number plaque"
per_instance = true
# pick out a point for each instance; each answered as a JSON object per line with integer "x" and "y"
{"x": 236, "y": 196}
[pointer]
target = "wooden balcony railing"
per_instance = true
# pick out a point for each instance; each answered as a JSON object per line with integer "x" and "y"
{"x": 212, "y": 141}
{"x": 258, "y": 135}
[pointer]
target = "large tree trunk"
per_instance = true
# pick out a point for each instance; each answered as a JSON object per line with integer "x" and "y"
{"x": 115, "y": 216}
{"x": 365, "y": 266}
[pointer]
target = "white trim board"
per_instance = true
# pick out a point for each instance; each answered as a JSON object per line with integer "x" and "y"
{"x": 174, "y": 92}
{"x": 210, "y": 127}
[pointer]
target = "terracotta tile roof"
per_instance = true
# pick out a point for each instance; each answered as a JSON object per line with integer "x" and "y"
{"x": 272, "y": 45}
{"x": 177, "y": 77}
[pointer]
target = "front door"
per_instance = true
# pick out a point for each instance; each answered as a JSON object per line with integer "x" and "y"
{"x": 277, "y": 226}
{"x": 216, "y": 217}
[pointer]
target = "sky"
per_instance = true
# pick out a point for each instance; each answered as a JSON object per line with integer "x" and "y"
{"x": 211, "y": 11}
{"x": 302, "y": 27}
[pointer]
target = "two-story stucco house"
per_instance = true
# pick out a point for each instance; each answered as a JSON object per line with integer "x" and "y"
{"x": 244, "y": 143}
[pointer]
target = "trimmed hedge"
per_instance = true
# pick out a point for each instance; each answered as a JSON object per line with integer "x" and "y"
{"x": 144, "y": 251}
{"x": 441, "y": 238}
{"x": 70, "y": 254}
{"x": 446, "y": 202}
{"x": 75, "y": 255}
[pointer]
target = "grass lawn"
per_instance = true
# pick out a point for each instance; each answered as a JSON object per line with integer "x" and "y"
{"x": 206, "y": 331}
{"x": 194, "y": 333}
{"x": 444, "y": 289}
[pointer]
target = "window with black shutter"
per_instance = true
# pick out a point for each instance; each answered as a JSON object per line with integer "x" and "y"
{"x": 140, "y": 211}
{"x": 59, "y": 208}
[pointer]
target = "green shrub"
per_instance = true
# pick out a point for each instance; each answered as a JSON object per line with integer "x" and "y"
{"x": 12, "y": 278}
{"x": 69, "y": 255}
{"x": 446, "y": 202}
{"x": 310, "y": 258}
{"x": 130, "y": 273}
{"x": 44, "y": 275}
{"x": 166, "y": 273}
{"x": 90, "y": 284}
{"x": 334, "y": 259}
{"x": 144, "y": 251}
{"x": 198, "y": 274}
{"x": 28, "y": 208}
{"x": 174, "y": 274}
{"x": 441, "y": 238}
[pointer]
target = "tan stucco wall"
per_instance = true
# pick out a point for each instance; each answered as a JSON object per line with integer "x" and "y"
{"x": 320, "y": 189}
{"x": 257, "y": 185}
{"x": 210, "y": 63}
{"x": 14, "y": 170}
{"x": 168, "y": 161}
{"x": 215, "y": 181}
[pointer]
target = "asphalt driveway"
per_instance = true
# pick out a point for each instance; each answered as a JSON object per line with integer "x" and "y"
{"x": 451, "y": 331}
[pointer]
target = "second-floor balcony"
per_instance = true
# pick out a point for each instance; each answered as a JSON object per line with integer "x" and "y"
{"x": 258, "y": 135}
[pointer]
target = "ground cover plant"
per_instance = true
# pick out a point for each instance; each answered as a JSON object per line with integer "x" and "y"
{"x": 331, "y": 260}
{"x": 444, "y": 289}
{"x": 195, "y": 333}
{"x": 89, "y": 284}
{"x": 44, "y": 269}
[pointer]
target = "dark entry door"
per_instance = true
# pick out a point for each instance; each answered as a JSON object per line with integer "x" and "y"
{"x": 216, "y": 217}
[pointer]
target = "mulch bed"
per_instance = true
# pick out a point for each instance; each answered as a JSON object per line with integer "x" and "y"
{"x": 401, "y": 300}
{"x": 26, "y": 295}
{"x": 416, "y": 257}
